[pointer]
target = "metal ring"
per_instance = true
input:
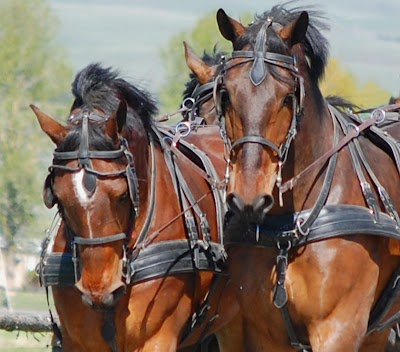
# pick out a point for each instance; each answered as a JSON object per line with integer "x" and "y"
{"x": 188, "y": 103}
{"x": 278, "y": 244}
{"x": 299, "y": 221}
{"x": 184, "y": 128}
{"x": 379, "y": 115}
{"x": 356, "y": 128}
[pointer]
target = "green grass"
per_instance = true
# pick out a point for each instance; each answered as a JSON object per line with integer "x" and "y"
{"x": 34, "y": 301}
{"x": 23, "y": 342}
{"x": 20, "y": 341}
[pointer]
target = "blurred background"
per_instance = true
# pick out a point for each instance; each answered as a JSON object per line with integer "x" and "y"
{"x": 44, "y": 43}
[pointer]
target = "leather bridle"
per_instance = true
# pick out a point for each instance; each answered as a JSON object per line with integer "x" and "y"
{"x": 84, "y": 156}
{"x": 260, "y": 58}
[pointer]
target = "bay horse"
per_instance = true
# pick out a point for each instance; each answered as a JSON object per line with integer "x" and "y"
{"x": 312, "y": 194}
{"x": 137, "y": 263}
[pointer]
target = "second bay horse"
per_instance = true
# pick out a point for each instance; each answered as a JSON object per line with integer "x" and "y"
{"x": 138, "y": 262}
{"x": 312, "y": 194}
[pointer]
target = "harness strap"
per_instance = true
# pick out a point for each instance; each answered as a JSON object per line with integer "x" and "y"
{"x": 258, "y": 140}
{"x": 108, "y": 330}
{"x": 332, "y": 221}
{"x": 294, "y": 341}
{"x": 201, "y": 314}
{"x": 304, "y": 224}
{"x": 389, "y": 140}
{"x": 365, "y": 186}
{"x": 388, "y": 297}
{"x": 54, "y": 326}
{"x": 375, "y": 116}
{"x": 184, "y": 197}
{"x": 209, "y": 174}
{"x": 156, "y": 260}
{"x": 273, "y": 58}
{"x": 99, "y": 240}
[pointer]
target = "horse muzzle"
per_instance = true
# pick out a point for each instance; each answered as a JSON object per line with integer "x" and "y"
{"x": 105, "y": 299}
{"x": 257, "y": 210}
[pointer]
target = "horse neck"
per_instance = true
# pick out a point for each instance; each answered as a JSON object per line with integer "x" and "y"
{"x": 314, "y": 138}
{"x": 141, "y": 152}
{"x": 165, "y": 202}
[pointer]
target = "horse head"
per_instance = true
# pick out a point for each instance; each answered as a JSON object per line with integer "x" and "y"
{"x": 259, "y": 92}
{"x": 94, "y": 180}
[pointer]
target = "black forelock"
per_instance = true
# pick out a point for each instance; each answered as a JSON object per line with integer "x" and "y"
{"x": 99, "y": 88}
{"x": 315, "y": 44}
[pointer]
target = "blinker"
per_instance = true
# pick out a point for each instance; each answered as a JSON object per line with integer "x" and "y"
{"x": 89, "y": 179}
{"x": 259, "y": 69}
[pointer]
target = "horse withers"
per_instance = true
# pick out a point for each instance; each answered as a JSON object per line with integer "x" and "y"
{"x": 137, "y": 263}
{"x": 312, "y": 194}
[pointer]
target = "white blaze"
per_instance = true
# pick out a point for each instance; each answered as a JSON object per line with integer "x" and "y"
{"x": 83, "y": 196}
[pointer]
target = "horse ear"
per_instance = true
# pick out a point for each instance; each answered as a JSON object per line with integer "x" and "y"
{"x": 51, "y": 127}
{"x": 116, "y": 122}
{"x": 295, "y": 31}
{"x": 229, "y": 28}
{"x": 49, "y": 199}
{"x": 202, "y": 71}
{"x": 121, "y": 115}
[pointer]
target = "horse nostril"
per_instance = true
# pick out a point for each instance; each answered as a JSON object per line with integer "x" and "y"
{"x": 262, "y": 205}
{"x": 87, "y": 300}
{"x": 235, "y": 203}
{"x": 101, "y": 300}
{"x": 111, "y": 299}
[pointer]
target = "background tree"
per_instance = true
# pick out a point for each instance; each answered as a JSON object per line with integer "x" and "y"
{"x": 340, "y": 81}
{"x": 32, "y": 68}
{"x": 205, "y": 35}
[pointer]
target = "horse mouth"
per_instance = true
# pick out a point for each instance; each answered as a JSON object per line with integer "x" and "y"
{"x": 101, "y": 300}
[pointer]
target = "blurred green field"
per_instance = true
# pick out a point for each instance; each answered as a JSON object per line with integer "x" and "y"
{"x": 22, "y": 342}
{"x": 15, "y": 341}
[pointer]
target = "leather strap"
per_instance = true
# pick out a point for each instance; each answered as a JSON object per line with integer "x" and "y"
{"x": 375, "y": 116}
{"x": 257, "y": 140}
{"x": 99, "y": 240}
{"x": 156, "y": 260}
{"x": 332, "y": 221}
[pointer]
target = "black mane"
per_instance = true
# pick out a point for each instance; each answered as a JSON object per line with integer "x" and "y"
{"x": 96, "y": 87}
{"x": 315, "y": 44}
{"x": 99, "y": 88}
{"x": 210, "y": 59}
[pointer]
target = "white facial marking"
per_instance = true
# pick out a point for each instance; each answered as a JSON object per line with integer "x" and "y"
{"x": 83, "y": 196}
{"x": 79, "y": 189}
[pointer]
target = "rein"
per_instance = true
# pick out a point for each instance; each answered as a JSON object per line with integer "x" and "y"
{"x": 377, "y": 116}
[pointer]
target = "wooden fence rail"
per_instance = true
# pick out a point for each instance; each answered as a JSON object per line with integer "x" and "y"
{"x": 22, "y": 321}
{"x": 36, "y": 322}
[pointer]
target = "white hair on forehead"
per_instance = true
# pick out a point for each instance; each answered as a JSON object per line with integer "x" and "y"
{"x": 80, "y": 191}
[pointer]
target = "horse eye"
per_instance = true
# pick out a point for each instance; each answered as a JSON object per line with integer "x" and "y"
{"x": 224, "y": 97}
{"x": 124, "y": 196}
{"x": 288, "y": 100}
